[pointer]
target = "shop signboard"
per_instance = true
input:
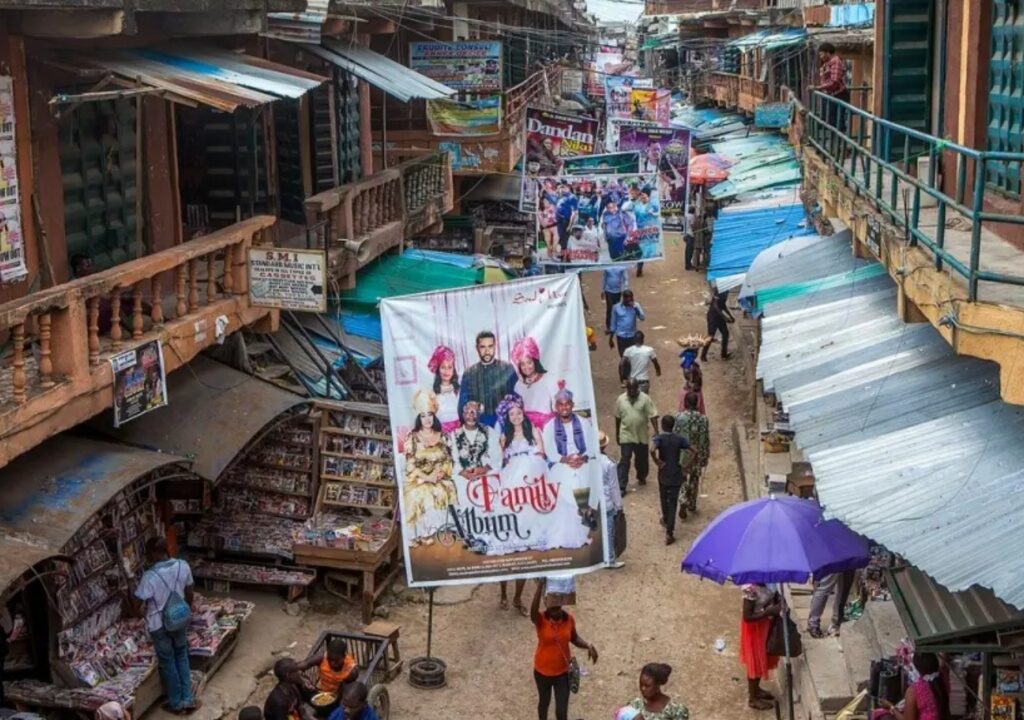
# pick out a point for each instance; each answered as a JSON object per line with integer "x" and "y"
{"x": 665, "y": 151}
{"x": 288, "y": 279}
{"x": 462, "y": 118}
{"x": 607, "y": 164}
{"x": 472, "y": 66}
{"x": 140, "y": 381}
{"x": 499, "y": 473}
{"x": 548, "y": 137}
{"x": 599, "y": 220}
{"x": 12, "y": 243}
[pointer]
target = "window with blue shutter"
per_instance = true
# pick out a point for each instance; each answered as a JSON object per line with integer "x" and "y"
{"x": 1006, "y": 93}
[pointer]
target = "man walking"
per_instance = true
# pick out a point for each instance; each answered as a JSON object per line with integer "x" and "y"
{"x": 690, "y": 236}
{"x": 719, "y": 319}
{"x": 641, "y": 358}
{"x": 612, "y": 499}
{"x": 488, "y": 381}
{"x": 633, "y": 411}
{"x": 625, "y": 315}
{"x": 161, "y": 591}
{"x": 693, "y": 426}
{"x": 614, "y": 283}
{"x": 841, "y": 583}
{"x": 670, "y": 453}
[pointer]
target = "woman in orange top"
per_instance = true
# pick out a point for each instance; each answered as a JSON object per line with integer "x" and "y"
{"x": 556, "y": 628}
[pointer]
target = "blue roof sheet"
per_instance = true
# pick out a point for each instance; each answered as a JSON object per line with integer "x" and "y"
{"x": 740, "y": 235}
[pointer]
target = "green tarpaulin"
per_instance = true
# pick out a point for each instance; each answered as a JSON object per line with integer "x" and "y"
{"x": 396, "y": 275}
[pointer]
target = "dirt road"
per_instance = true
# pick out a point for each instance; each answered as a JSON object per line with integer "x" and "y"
{"x": 648, "y": 611}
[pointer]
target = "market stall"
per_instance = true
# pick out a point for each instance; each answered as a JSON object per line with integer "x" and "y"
{"x": 78, "y": 513}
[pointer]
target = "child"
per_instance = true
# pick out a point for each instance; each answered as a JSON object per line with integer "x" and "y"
{"x": 353, "y": 704}
{"x": 336, "y": 669}
{"x": 667, "y": 451}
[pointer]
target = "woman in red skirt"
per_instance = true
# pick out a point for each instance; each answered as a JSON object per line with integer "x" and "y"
{"x": 760, "y": 605}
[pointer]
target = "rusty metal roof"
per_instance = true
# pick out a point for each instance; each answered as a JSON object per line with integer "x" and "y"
{"x": 48, "y": 493}
{"x": 380, "y": 71}
{"x": 213, "y": 413}
{"x": 203, "y": 74}
{"x": 941, "y": 620}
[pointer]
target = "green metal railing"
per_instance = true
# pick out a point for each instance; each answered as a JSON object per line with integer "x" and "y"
{"x": 880, "y": 150}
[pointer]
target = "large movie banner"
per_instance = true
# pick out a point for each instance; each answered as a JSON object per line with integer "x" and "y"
{"x": 493, "y": 416}
{"x": 599, "y": 220}
{"x": 547, "y": 138}
{"x": 665, "y": 151}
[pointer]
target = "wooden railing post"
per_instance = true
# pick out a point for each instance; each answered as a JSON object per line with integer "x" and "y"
{"x": 157, "y": 313}
{"x": 93, "y": 313}
{"x": 181, "y": 308}
{"x": 137, "y": 321}
{"x": 229, "y": 276}
{"x": 193, "y": 286}
{"x": 18, "y": 379}
{"x": 45, "y": 359}
{"x": 115, "y": 319}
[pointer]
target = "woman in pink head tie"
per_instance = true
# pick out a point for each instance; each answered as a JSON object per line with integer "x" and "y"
{"x": 446, "y": 387}
{"x": 535, "y": 386}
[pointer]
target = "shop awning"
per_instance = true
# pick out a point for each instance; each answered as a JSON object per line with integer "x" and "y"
{"x": 936, "y": 619}
{"x": 393, "y": 78}
{"x": 769, "y": 39}
{"x": 213, "y": 413}
{"x": 47, "y": 494}
{"x": 201, "y": 74}
{"x": 910, "y": 443}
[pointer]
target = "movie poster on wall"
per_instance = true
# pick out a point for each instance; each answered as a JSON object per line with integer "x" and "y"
{"x": 494, "y": 423}
{"x": 665, "y": 151}
{"x": 547, "y": 138}
{"x": 467, "y": 66}
{"x": 599, "y": 220}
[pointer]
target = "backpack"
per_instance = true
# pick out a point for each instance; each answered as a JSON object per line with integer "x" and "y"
{"x": 176, "y": 613}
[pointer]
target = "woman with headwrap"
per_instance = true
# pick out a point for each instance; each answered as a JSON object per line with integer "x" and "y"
{"x": 693, "y": 377}
{"x": 446, "y": 387}
{"x": 571, "y": 453}
{"x": 522, "y": 461}
{"x": 429, "y": 488}
{"x": 534, "y": 385}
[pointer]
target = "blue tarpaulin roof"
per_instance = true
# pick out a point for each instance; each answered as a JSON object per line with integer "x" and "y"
{"x": 742, "y": 232}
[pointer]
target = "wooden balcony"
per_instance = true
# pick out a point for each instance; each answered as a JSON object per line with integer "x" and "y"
{"x": 359, "y": 222}
{"x": 58, "y": 375}
{"x": 735, "y": 91}
{"x": 482, "y": 155}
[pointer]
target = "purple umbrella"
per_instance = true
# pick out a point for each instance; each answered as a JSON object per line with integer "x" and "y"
{"x": 774, "y": 539}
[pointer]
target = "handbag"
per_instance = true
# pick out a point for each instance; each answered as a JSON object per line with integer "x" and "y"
{"x": 776, "y": 644}
{"x": 620, "y": 533}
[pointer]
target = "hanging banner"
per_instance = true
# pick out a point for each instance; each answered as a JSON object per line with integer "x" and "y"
{"x": 494, "y": 424}
{"x": 651, "y": 105}
{"x": 12, "y": 244}
{"x": 599, "y": 220}
{"x": 619, "y": 94}
{"x": 547, "y": 138}
{"x": 140, "y": 381}
{"x": 461, "y": 118}
{"x": 607, "y": 61}
{"x": 288, "y": 279}
{"x": 471, "y": 66}
{"x": 667, "y": 152}
{"x": 606, "y": 164}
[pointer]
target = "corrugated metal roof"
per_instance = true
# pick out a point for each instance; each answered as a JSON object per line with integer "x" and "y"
{"x": 299, "y": 27}
{"x": 937, "y": 618}
{"x": 48, "y": 493}
{"x": 393, "y": 78}
{"x": 769, "y": 39}
{"x": 910, "y": 443}
{"x": 204, "y": 74}
{"x": 214, "y": 412}
{"x": 745, "y": 229}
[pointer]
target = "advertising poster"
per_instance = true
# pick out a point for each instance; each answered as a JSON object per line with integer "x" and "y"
{"x": 607, "y": 61}
{"x": 140, "y": 383}
{"x": 493, "y": 418}
{"x": 620, "y": 163}
{"x": 472, "y": 66}
{"x": 619, "y": 94}
{"x": 547, "y": 138}
{"x": 652, "y": 105}
{"x": 667, "y": 152}
{"x": 12, "y": 244}
{"x": 288, "y": 279}
{"x": 461, "y": 118}
{"x": 599, "y": 220}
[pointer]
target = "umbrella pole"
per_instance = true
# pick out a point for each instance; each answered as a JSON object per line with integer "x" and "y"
{"x": 789, "y": 660}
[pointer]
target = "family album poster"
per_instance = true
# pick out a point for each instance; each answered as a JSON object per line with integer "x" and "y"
{"x": 599, "y": 219}
{"x": 665, "y": 151}
{"x": 548, "y": 137}
{"x": 493, "y": 418}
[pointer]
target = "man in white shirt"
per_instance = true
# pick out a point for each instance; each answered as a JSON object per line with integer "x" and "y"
{"x": 641, "y": 358}
{"x": 167, "y": 575}
{"x": 612, "y": 499}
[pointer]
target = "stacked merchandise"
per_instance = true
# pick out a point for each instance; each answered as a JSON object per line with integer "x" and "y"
{"x": 252, "y": 574}
{"x": 248, "y": 535}
{"x": 347, "y": 531}
{"x": 357, "y": 460}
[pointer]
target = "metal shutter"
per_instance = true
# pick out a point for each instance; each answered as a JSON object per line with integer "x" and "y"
{"x": 1006, "y": 93}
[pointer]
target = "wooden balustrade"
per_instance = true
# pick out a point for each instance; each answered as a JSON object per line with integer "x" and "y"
{"x": 65, "y": 332}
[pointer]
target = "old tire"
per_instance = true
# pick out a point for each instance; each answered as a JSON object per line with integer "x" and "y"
{"x": 427, "y": 673}
{"x": 380, "y": 700}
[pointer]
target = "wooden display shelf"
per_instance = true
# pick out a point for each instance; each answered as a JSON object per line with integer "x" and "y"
{"x": 352, "y": 456}
{"x": 335, "y": 503}
{"x": 256, "y": 488}
{"x": 352, "y": 433}
{"x": 274, "y": 466}
{"x": 342, "y": 478}
{"x": 289, "y": 443}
